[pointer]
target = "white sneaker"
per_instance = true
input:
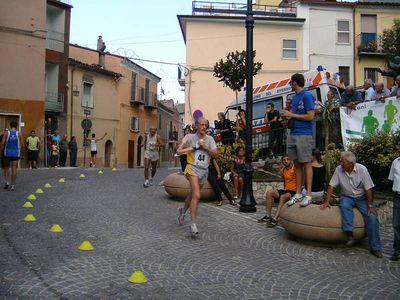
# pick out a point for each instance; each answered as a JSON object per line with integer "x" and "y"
{"x": 146, "y": 183}
{"x": 294, "y": 199}
{"x": 193, "y": 229}
{"x": 151, "y": 181}
{"x": 306, "y": 201}
{"x": 181, "y": 216}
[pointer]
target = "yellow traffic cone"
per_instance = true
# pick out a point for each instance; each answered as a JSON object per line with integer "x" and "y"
{"x": 27, "y": 204}
{"x": 114, "y": 169}
{"x": 30, "y": 218}
{"x": 86, "y": 246}
{"x": 82, "y": 176}
{"x": 137, "y": 277}
{"x": 56, "y": 228}
{"x": 61, "y": 180}
{"x": 39, "y": 191}
{"x": 47, "y": 185}
{"x": 31, "y": 197}
{"x": 100, "y": 172}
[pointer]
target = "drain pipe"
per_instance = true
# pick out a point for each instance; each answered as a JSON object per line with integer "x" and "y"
{"x": 72, "y": 102}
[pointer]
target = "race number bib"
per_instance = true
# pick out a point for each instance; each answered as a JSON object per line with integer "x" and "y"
{"x": 152, "y": 145}
{"x": 201, "y": 159}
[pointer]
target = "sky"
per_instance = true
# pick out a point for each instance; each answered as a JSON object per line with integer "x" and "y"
{"x": 146, "y": 30}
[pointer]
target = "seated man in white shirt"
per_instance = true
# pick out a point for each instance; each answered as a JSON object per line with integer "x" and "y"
{"x": 356, "y": 191}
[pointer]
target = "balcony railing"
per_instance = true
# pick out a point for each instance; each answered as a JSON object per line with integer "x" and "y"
{"x": 55, "y": 40}
{"x": 54, "y": 102}
{"x": 231, "y": 9}
{"x": 368, "y": 44}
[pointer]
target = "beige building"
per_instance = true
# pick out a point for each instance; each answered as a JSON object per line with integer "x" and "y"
{"x": 125, "y": 109}
{"x": 33, "y": 59}
{"x": 210, "y": 34}
{"x": 169, "y": 128}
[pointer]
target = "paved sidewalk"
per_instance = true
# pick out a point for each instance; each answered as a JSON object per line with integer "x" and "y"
{"x": 133, "y": 228}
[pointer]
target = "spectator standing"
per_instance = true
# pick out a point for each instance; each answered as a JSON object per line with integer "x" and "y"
{"x": 288, "y": 174}
{"x": 300, "y": 140}
{"x": 33, "y": 146}
{"x": 73, "y": 151}
{"x": 182, "y": 157}
{"x": 350, "y": 97}
{"x": 237, "y": 168}
{"x": 55, "y": 137}
{"x": 13, "y": 146}
{"x": 93, "y": 148}
{"x": 63, "y": 151}
{"x": 356, "y": 191}
{"x": 394, "y": 175}
{"x": 241, "y": 124}
{"x": 396, "y": 88}
{"x": 368, "y": 89}
{"x": 3, "y": 163}
{"x": 49, "y": 142}
{"x": 380, "y": 93}
{"x": 272, "y": 118}
{"x": 55, "y": 152}
{"x": 224, "y": 128}
{"x": 318, "y": 182}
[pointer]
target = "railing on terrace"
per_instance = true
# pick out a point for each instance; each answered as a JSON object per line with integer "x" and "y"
{"x": 54, "y": 102}
{"x": 55, "y": 40}
{"x": 231, "y": 9}
{"x": 367, "y": 43}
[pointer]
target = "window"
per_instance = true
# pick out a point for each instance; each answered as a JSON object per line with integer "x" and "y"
{"x": 371, "y": 73}
{"x": 289, "y": 49}
{"x": 343, "y": 32}
{"x": 345, "y": 73}
{"x": 147, "y": 92}
{"x": 134, "y": 126}
{"x": 133, "y": 86}
{"x": 87, "y": 97}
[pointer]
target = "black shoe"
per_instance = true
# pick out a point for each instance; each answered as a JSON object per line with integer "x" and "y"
{"x": 377, "y": 254}
{"x": 350, "y": 241}
{"x": 264, "y": 219}
{"x": 6, "y": 186}
{"x": 395, "y": 257}
{"x": 272, "y": 223}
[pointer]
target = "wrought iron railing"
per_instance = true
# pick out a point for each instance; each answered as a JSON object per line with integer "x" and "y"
{"x": 54, "y": 102}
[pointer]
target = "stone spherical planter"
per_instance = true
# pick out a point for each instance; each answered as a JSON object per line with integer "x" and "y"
{"x": 177, "y": 186}
{"x": 313, "y": 224}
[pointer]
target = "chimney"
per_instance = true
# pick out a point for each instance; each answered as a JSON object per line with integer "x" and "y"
{"x": 101, "y": 46}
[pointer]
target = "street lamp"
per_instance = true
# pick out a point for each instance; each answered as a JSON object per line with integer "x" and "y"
{"x": 247, "y": 202}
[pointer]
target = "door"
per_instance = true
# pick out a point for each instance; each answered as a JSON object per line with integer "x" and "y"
{"x": 107, "y": 154}
{"x": 131, "y": 153}
{"x": 139, "y": 152}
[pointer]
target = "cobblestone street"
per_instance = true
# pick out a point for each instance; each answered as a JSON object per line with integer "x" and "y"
{"x": 135, "y": 229}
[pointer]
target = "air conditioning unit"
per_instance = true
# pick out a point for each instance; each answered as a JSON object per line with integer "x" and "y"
{"x": 134, "y": 124}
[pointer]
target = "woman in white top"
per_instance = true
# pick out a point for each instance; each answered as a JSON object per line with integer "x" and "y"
{"x": 93, "y": 148}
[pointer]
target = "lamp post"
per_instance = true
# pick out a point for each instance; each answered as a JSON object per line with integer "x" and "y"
{"x": 247, "y": 202}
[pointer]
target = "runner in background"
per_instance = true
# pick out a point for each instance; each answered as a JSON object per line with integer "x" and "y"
{"x": 152, "y": 142}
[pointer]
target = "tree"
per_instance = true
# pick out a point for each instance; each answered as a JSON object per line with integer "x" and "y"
{"x": 390, "y": 40}
{"x": 232, "y": 72}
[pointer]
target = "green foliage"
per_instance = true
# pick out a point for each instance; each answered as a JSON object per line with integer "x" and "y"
{"x": 232, "y": 72}
{"x": 390, "y": 39}
{"x": 227, "y": 153}
{"x": 377, "y": 152}
{"x": 333, "y": 157}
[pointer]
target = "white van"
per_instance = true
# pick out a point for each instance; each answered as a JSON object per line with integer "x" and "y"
{"x": 280, "y": 93}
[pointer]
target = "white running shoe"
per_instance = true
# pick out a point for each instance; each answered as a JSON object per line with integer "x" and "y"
{"x": 151, "y": 181}
{"x": 193, "y": 229}
{"x": 306, "y": 201}
{"x": 181, "y": 216}
{"x": 294, "y": 199}
{"x": 146, "y": 183}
